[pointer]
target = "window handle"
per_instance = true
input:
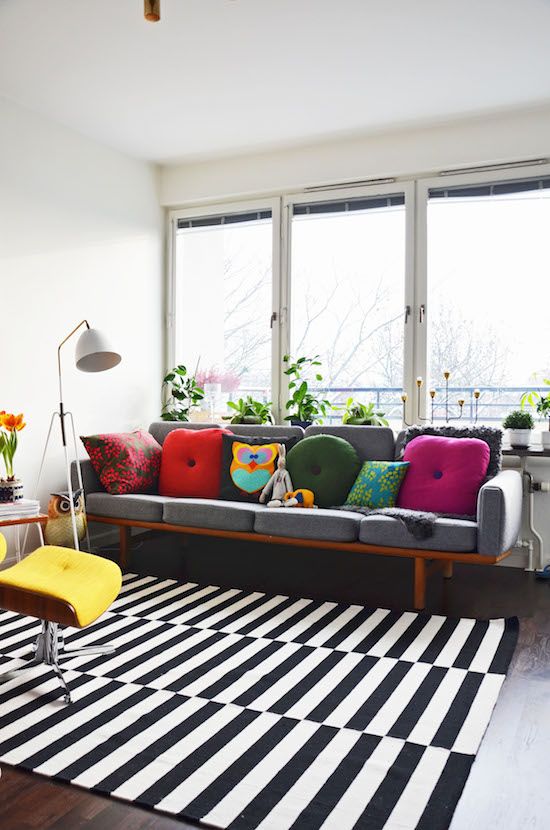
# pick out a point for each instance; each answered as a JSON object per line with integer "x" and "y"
{"x": 273, "y": 319}
{"x": 421, "y": 313}
{"x": 407, "y": 313}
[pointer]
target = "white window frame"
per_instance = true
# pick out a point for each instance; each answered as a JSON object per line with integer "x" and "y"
{"x": 407, "y": 188}
{"x": 423, "y": 186}
{"x": 415, "y": 190}
{"x": 224, "y": 209}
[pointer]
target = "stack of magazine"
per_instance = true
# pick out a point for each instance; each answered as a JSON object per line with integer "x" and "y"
{"x": 19, "y": 509}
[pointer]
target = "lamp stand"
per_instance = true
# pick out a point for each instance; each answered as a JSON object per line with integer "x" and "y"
{"x": 62, "y": 415}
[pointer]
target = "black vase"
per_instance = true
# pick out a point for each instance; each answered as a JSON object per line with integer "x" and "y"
{"x": 297, "y": 423}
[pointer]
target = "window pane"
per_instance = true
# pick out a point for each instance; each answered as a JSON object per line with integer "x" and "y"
{"x": 488, "y": 298}
{"x": 223, "y": 307}
{"x": 348, "y": 283}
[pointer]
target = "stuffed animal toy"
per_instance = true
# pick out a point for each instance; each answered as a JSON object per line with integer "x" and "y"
{"x": 59, "y": 527}
{"x": 299, "y": 498}
{"x": 279, "y": 484}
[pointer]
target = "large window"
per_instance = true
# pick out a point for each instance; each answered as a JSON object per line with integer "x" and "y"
{"x": 392, "y": 284}
{"x": 488, "y": 292}
{"x": 348, "y": 295}
{"x": 223, "y": 302}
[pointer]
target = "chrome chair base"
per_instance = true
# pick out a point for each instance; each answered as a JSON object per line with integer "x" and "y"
{"x": 49, "y": 648}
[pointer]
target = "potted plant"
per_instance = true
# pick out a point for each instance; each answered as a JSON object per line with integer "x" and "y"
{"x": 249, "y": 411}
{"x": 362, "y": 414}
{"x": 11, "y": 488}
{"x": 519, "y": 424}
{"x": 183, "y": 394}
{"x": 543, "y": 409}
{"x": 305, "y": 407}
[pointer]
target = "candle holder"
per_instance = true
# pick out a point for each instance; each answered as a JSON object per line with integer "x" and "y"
{"x": 404, "y": 399}
{"x": 446, "y": 375}
{"x": 460, "y": 403}
{"x": 419, "y": 382}
{"x": 432, "y": 396}
{"x": 477, "y": 395}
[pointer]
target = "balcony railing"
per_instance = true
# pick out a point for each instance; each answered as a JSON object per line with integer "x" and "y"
{"x": 493, "y": 404}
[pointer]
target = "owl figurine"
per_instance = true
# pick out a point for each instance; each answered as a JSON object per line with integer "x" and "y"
{"x": 252, "y": 466}
{"x": 59, "y": 528}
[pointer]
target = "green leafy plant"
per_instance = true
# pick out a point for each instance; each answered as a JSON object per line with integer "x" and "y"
{"x": 533, "y": 397}
{"x": 518, "y": 419}
{"x": 356, "y": 413}
{"x": 182, "y": 394}
{"x": 303, "y": 404}
{"x": 249, "y": 411}
{"x": 543, "y": 408}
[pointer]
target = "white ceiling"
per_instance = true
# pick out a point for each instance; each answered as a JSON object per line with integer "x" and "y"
{"x": 217, "y": 77}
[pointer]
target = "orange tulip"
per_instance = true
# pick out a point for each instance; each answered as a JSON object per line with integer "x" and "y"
{"x": 12, "y": 422}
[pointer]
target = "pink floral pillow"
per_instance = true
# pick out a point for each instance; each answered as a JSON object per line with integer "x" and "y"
{"x": 444, "y": 474}
{"x": 125, "y": 462}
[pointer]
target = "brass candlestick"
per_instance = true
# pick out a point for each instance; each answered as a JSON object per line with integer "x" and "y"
{"x": 446, "y": 375}
{"x": 404, "y": 399}
{"x": 477, "y": 394}
{"x": 432, "y": 396}
{"x": 419, "y": 382}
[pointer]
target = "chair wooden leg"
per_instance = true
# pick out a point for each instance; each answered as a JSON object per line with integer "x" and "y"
{"x": 124, "y": 546}
{"x": 448, "y": 569}
{"x": 419, "y": 584}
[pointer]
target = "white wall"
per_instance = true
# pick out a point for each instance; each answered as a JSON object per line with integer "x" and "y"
{"x": 515, "y": 136}
{"x": 81, "y": 235}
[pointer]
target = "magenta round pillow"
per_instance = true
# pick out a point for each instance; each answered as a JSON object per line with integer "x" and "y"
{"x": 444, "y": 474}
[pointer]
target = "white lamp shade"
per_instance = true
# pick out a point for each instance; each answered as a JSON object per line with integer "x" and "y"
{"x": 94, "y": 353}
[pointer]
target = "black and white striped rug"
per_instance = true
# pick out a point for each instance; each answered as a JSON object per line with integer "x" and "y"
{"x": 243, "y": 710}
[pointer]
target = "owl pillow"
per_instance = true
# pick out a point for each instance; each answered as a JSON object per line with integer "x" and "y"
{"x": 247, "y": 465}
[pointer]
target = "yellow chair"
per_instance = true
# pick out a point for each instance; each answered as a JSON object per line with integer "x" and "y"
{"x": 58, "y": 586}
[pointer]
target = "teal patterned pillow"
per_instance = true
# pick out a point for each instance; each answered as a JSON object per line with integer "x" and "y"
{"x": 377, "y": 484}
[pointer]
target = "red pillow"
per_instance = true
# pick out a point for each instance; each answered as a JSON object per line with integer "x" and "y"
{"x": 191, "y": 463}
{"x": 444, "y": 475}
{"x": 125, "y": 462}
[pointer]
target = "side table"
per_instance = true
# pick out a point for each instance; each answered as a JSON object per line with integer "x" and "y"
{"x": 16, "y": 521}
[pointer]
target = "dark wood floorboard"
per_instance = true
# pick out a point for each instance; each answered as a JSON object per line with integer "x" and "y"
{"x": 508, "y": 786}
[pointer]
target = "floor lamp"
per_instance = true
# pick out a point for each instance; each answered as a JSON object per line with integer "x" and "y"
{"x": 93, "y": 354}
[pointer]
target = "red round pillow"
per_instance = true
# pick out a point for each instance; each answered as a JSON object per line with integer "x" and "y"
{"x": 191, "y": 463}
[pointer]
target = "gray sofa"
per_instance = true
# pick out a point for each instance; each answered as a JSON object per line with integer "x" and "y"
{"x": 486, "y": 540}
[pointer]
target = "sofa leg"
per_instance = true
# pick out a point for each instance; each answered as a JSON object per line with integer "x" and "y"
{"x": 419, "y": 584}
{"x": 448, "y": 569}
{"x": 124, "y": 546}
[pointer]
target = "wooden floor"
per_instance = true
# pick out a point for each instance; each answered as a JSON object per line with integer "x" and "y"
{"x": 509, "y": 784}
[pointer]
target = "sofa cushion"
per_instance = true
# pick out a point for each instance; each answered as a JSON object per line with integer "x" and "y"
{"x": 143, "y": 508}
{"x": 211, "y": 513}
{"x": 491, "y": 435}
{"x": 248, "y": 464}
{"x": 191, "y": 463}
{"x": 125, "y": 462}
{"x": 377, "y": 484}
{"x": 449, "y": 534}
{"x": 327, "y": 465}
{"x": 445, "y": 474}
{"x": 303, "y": 523}
{"x": 371, "y": 443}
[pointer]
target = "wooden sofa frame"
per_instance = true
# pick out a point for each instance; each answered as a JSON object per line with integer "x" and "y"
{"x": 425, "y": 561}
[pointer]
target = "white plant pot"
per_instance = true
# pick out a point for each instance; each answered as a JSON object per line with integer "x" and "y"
{"x": 11, "y": 491}
{"x": 546, "y": 439}
{"x": 519, "y": 437}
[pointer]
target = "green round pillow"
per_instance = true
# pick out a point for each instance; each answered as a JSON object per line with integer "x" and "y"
{"x": 326, "y": 464}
